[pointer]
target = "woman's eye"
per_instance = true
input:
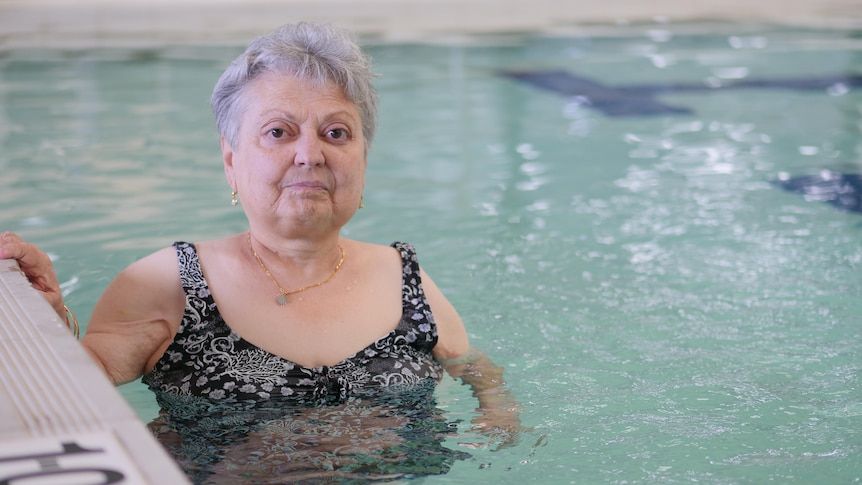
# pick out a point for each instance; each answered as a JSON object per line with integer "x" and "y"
{"x": 276, "y": 132}
{"x": 337, "y": 134}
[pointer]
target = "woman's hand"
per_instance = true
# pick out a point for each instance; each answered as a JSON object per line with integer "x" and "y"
{"x": 499, "y": 415}
{"x": 36, "y": 266}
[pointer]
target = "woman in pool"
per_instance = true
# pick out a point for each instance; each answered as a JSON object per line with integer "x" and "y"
{"x": 288, "y": 309}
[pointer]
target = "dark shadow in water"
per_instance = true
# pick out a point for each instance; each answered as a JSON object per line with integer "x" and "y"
{"x": 639, "y": 99}
{"x": 363, "y": 440}
{"x": 842, "y": 190}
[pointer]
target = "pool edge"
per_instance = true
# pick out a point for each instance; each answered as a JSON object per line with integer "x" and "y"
{"x": 51, "y": 424}
{"x": 71, "y": 24}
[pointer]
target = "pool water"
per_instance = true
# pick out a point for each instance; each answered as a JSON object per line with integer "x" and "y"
{"x": 665, "y": 312}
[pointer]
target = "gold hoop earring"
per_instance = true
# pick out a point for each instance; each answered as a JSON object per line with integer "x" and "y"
{"x": 362, "y": 201}
{"x": 233, "y": 199}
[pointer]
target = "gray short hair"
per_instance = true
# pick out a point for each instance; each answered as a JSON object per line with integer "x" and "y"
{"x": 317, "y": 53}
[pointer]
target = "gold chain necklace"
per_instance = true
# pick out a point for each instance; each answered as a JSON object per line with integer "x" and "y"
{"x": 281, "y": 299}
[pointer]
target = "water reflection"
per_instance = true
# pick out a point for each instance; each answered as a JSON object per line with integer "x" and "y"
{"x": 365, "y": 439}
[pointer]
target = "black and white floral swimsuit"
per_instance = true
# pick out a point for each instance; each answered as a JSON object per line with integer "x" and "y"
{"x": 208, "y": 359}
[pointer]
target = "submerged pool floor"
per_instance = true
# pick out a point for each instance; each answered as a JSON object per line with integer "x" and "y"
{"x": 641, "y": 99}
{"x": 607, "y": 212}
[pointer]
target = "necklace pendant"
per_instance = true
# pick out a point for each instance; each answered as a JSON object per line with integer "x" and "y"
{"x": 281, "y": 299}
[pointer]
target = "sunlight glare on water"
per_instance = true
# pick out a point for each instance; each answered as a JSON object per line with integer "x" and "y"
{"x": 664, "y": 312}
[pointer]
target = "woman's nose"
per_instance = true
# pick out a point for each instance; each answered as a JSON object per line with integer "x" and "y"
{"x": 309, "y": 150}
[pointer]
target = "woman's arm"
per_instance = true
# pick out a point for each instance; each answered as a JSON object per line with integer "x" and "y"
{"x": 499, "y": 414}
{"x": 136, "y": 317}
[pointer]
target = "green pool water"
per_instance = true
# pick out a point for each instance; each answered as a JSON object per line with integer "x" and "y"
{"x": 664, "y": 313}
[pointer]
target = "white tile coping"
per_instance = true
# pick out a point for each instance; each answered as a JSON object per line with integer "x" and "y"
{"x": 61, "y": 420}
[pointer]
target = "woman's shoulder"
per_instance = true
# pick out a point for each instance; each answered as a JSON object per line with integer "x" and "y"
{"x": 157, "y": 259}
{"x": 226, "y": 247}
{"x": 377, "y": 252}
{"x": 219, "y": 244}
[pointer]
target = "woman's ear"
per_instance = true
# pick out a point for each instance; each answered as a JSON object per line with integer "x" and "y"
{"x": 227, "y": 157}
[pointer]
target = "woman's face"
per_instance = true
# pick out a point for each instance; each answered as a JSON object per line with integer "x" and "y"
{"x": 299, "y": 163}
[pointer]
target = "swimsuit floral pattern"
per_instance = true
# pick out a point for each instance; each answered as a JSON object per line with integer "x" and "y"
{"x": 208, "y": 359}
